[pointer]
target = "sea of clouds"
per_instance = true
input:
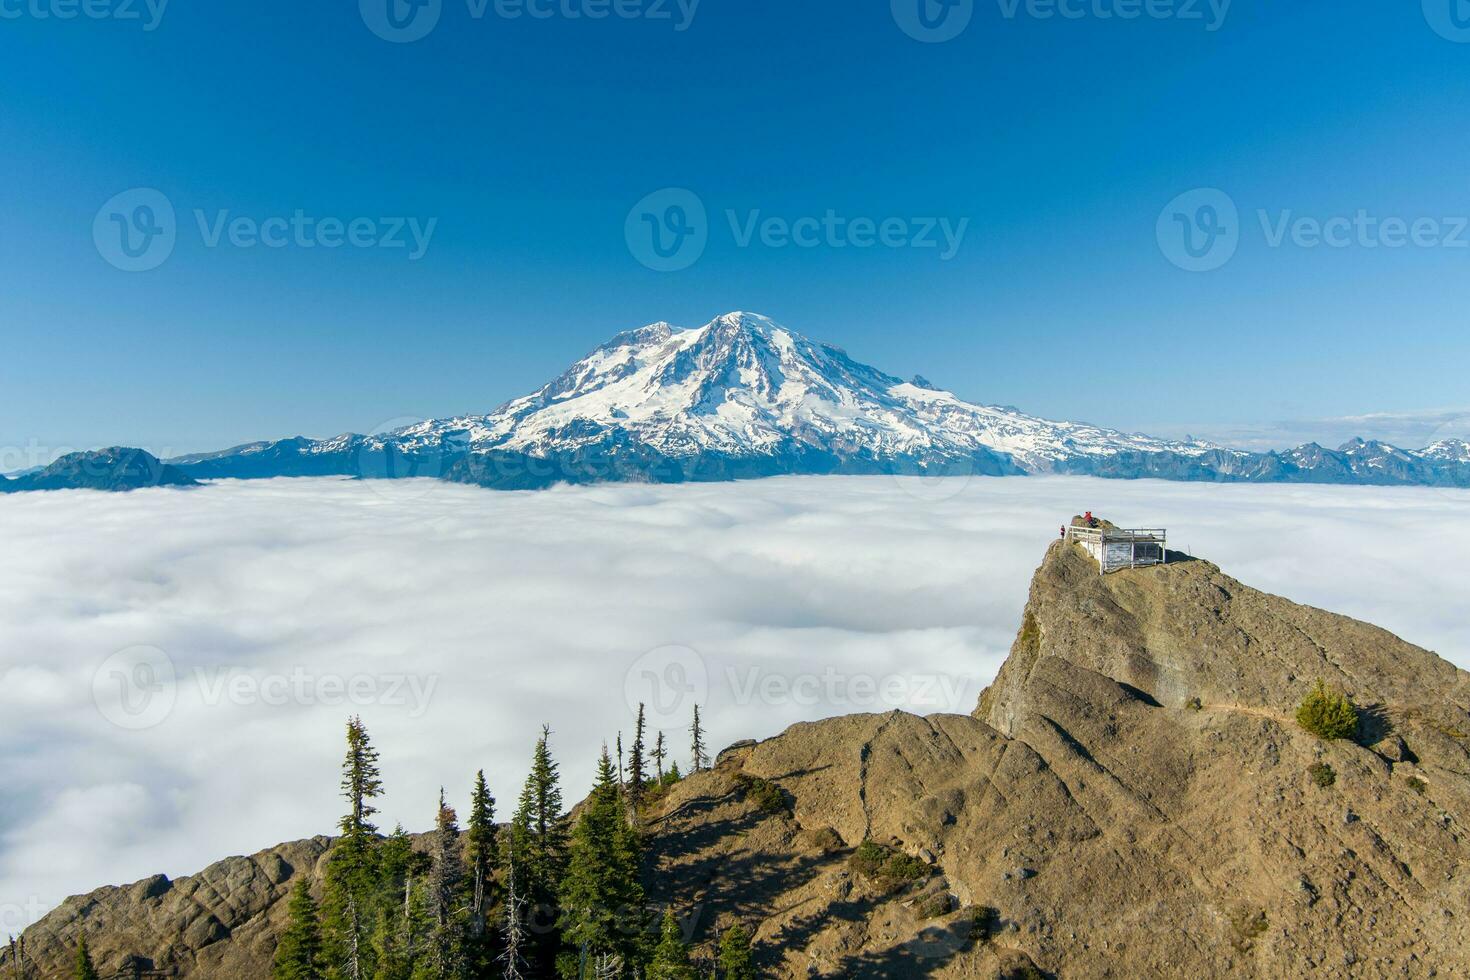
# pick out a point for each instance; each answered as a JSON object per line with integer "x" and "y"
{"x": 176, "y": 666}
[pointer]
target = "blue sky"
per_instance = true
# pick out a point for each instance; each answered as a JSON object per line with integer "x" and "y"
{"x": 523, "y": 144}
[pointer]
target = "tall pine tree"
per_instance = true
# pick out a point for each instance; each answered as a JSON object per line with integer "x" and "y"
{"x": 659, "y": 752}
{"x": 85, "y": 969}
{"x": 537, "y": 849}
{"x": 444, "y": 959}
{"x": 671, "y": 957}
{"x": 352, "y": 872}
{"x": 480, "y": 855}
{"x": 601, "y": 897}
{"x": 696, "y": 747}
{"x": 637, "y": 768}
{"x": 299, "y": 953}
{"x": 736, "y": 962}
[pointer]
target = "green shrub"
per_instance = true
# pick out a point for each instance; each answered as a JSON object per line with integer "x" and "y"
{"x": 763, "y": 793}
{"x": 984, "y": 921}
{"x": 887, "y": 867}
{"x": 1322, "y": 774}
{"x": 1327, "y": 714}
{"x": 933, "y": 906}
{"x": 1248, "y": 924}
{"x": 1418, "y": 785}
{"x": 1194, "y": 704}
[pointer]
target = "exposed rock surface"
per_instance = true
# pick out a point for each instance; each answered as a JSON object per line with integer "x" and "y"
{"x": 1117, "y": 826}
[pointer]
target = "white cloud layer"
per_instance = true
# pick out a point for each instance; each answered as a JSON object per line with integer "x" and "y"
{"x": 456, "y": 620}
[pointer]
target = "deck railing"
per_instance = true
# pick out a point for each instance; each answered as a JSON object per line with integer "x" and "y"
{"x": 1122, "y": 547}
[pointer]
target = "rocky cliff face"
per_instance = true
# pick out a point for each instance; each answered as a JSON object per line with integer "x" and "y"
{"x": 1131, "y": 798}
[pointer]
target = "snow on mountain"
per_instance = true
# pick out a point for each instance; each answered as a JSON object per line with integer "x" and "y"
{"x": 1447, "y": 451}
{"x": 743, "y": 385}
{"x": 744, "y": 397}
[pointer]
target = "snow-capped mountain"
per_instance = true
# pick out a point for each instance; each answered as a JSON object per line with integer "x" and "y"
{"x": 743, "y": 396}
{"x": 744, "y": 386}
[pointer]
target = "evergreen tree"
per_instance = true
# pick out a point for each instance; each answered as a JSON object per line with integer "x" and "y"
{"x": 637, "y": 768}
{"x": 735, "y": 957}
{"x": 299, "y": 953}
{"x": 601, "y": 897}
{"x": 659, "y": 752}
{"x": 536, "y": 846}
{"x": 514, "y": 957}
{"x": 445, "y": 952}
{"x": 400, "y": 925}
{"x": 352, "y": 872}
{"x": 671, "y": 957}
{"x": 480, "y": 855}
{"x": 85, "y": 969}
{"x": 701, "y": 759}
{"x": 674, "y": 775}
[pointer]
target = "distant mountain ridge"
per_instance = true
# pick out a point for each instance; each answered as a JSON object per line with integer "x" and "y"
{"x": 114, "y": 469}
{"x": 745, "y": 397}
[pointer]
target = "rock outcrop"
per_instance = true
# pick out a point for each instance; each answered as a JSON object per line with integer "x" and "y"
{"x": 1131, "y": 798}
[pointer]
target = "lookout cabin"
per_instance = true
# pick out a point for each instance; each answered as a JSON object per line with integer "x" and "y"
{"x": 1117, "y": 547}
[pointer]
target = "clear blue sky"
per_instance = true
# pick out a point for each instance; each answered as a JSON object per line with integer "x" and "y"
{"x": 529, "y": 140}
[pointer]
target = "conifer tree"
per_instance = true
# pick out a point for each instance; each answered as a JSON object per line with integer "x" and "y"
{"x": 480, "y": 854}
{"x": 659, "y": 752}
{"x": 399, "y": 928}
{"x": 637, "y": 768}
{"x": 299, "y": 953}
{"x": 537, "y": 845}
{"x": 352, "y": 871}
{"x": 601, "y": 896}
{"x": 735, "y": 957}
{"x": 701, "y": 760}
{"x": 513, "y": 959}
{"x": 445, "y": 953}
{"x": 671, "y": 957}
{"x": 85, "y": 969}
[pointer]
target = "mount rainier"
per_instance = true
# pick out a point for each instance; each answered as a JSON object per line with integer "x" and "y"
{"x": 743, "y": 396}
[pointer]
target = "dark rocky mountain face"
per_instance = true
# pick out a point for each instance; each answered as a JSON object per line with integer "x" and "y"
{"x": 114, "y": 469}
{"x": 1131, "y": 798}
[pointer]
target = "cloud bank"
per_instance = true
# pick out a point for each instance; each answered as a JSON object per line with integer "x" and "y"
{"x": 176, "y": 667}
